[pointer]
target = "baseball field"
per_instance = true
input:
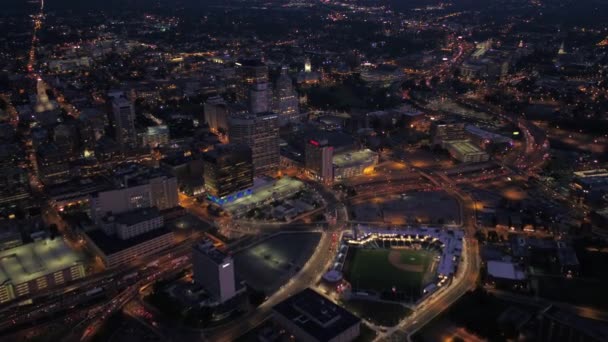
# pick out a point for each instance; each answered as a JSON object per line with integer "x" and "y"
{"x": 394, "y": 270}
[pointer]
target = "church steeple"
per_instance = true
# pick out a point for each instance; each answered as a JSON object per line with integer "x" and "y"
{"x": 562, "y": 50}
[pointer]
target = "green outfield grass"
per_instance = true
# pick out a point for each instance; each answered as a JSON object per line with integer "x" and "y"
{"x": 370, "y": 269}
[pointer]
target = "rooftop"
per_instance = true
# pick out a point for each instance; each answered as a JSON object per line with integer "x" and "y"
{"x": 33, "y": 260}
{"x": 206, "y": 247}
{"x": 354, "y": 158}
{"x": 505, "y": 270}
{"x": 465, "y": 147}
{"x": 273, "y": 189}
{"x": 132, "y": 217}
{"x": 592, "y": 328}
{"x": 111, "y": 245}
{"x": 316, "y": 315}
{"x": 486, "y": 134}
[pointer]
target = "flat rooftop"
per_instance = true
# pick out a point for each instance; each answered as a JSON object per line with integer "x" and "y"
{"x": 273, "y": 189}
{"x": 112, "y": 244}
{"x": 465, "y": 147}
{"x": 505, "y": 270}
{"x": 348, "y": 159}
{"x": 316, "y": 315}
{"x": 133, "y": 217}
{"x": 33, "y": 260}
{"x": 207, "y": 248}
{"x": 482, "y": 133}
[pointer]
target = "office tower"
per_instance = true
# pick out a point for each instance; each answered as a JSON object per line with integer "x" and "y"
{"x": 249, "y": 72}
{"x": 228, "y": 172}
{"x": 261, "y": 133}
{"x": 124, "y": 123}
{"x": 214, "y": 270}
{"x": 259, "y": 96}
{"x": 216, "y": 114}
{"x": 286, "y": 102}
{"x": 319, "y": 160}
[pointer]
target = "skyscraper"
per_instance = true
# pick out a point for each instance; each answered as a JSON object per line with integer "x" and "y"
{"x": 216, "y": 114}
{"x": 228, "y": 172}
{"x": 124, "y": 123}
{"x": 319, "y": 160}
{"x": 214, "y": 270}
{"x": 285, "y": 98}
{"x": 261, "y": 133}
{"x": 249, "y": 72}
{"x": 259, "y": 96}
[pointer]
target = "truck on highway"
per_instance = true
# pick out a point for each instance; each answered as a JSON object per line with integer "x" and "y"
{"x": 130, "y": 276}
{"x": 152, "y": 264}
{"x": 94, "y": 291}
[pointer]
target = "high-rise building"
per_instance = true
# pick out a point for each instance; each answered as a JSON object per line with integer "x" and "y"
{"x": 228, "y": 172}
{"x": 124, "y": 123}
{"x": 286, "y": 102}
{"x": 259, "y": 96}
{"x": 249, "y": 72}
{"x": 319, "y": 160}
{"x": 214, "y": 270}
{"x": 216, "y": 114}
{"x": 261, "y": 133}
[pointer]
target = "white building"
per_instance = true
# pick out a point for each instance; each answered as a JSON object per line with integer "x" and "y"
{"x": 153, "y": 189}
{"x": 286, "y": 102}
{"x": 133, "y": 223}
{"x": 466, "y": 152}
{"x": 214, "y": 270}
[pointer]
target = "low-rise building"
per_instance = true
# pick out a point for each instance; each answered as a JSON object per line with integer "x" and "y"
{"x": 129, "y": 236}
{"x": 464, "y": 151}
{"x": 355, "y": 163}
{"x": 310, "y": 317}
{"x": 115, "y": 252}
{"x": 36, "y": 266}
{"x": 505, "y": 274}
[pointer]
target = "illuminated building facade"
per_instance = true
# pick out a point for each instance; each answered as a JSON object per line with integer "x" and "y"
{"x": 319, "y": 160}
{"x": 228, "y": 172}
